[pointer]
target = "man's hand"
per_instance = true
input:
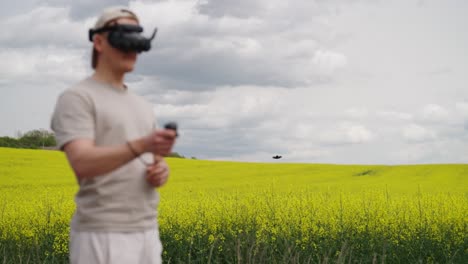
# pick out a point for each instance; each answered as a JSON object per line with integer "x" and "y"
{"x": 157, "y": 173}
{"x": 159, "y": 142}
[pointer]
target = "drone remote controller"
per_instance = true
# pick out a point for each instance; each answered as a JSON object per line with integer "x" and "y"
{"x": 171, "y": 126}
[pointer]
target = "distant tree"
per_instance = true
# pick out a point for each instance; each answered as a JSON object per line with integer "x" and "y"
{"x": 9, "y": 142}
{"x": 33, "y": 139}
{"x": 176, "y": 155}
{"x": 38, "y": 138}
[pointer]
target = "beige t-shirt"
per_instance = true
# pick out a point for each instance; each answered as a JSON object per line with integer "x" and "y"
{"x": 120, "y": 200}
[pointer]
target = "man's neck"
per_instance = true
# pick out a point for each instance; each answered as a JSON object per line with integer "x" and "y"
{"x": 106, "y": 75}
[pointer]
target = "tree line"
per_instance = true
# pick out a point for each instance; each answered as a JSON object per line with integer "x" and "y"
{"x": 43, "y": 139}
{"x": 34, "y": 139}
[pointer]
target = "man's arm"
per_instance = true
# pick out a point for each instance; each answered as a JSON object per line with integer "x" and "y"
{"x": 89, "y": 160}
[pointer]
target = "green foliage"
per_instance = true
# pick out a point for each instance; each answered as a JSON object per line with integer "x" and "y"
{"x": 9, "y": 142}
{"x": 229, "y": 212}
{"x": 38, "y": 138}
{"x": 33, "y": 139}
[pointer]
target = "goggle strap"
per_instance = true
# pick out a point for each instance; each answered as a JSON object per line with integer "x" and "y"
{"x": 133, "y": 28}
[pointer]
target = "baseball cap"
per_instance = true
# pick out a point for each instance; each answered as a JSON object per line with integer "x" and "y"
{"x": 112, "y": 13}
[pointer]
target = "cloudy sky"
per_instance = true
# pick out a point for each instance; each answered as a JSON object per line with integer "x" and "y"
{"x": 317, "y": 81}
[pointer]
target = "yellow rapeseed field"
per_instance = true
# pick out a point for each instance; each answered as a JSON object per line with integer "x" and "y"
{"x": 232, "y": 212}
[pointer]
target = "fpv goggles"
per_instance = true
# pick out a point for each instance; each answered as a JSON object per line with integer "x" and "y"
{"x": 125, "y": 37}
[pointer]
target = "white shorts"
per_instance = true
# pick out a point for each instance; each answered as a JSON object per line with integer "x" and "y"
{"x": 115, "y": 247}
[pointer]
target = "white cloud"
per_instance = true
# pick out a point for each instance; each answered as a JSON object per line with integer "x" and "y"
{"x": 416, "y": 153}
{"x": 394, "y": 115}
{"x": 224, "y": 107}
{"x": 434, "y": 112}
{"x": 43, "y": 27}
{"x": 417, "y": 133}
{"x": 43, "y": 65}
{"x": 462, "y": 111}
{"x": 308, "y": 154}
{"x": 328, "y": 61}
{"x": 357, "y": 112}
{"x": 201, "y": 51}
{"x": 166, "y": 14}
{"x": 347, "y": 133}
{"x": 462, "y": 108}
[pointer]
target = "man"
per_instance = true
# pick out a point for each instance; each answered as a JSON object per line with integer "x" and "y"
{"x": 110, "y": 140}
